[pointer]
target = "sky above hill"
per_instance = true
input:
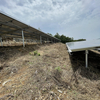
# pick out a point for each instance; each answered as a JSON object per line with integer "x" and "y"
{"x": 72, "y": 18}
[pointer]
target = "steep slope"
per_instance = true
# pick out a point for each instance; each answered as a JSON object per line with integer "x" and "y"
{"x": 54, "y": 75}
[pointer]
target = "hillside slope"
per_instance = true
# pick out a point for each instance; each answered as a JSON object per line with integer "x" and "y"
{"x": 54, "y": 75}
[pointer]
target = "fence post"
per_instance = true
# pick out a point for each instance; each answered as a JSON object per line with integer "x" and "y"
{"x": 23, "y": 38}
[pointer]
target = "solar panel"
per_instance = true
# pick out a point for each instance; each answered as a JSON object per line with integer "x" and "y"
{"x": 83, "y": 45}
{"x": 7, "y": 24}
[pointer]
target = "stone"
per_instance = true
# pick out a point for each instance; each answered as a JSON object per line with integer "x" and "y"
{"x": 5, "y": 82}
{"x": 52, "y": 93}
{"x": 60, "y": 91}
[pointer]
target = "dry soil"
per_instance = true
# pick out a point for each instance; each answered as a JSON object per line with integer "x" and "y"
{"x": 52, "y": 75}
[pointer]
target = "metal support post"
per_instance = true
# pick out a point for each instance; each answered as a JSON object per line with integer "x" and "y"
{"x": 86, "y": 58}
{"x": 47, "y": 40}
{"x": 41, "y": 39}
{"x": 23, "y": 38}
{"x": 1, "y": 42}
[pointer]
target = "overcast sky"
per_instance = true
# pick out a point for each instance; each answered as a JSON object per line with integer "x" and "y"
{"x": 73, "y": 18}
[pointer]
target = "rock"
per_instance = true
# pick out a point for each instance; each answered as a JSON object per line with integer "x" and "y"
{"x": 52, "y": 93}
{"x": 15, "y": 91}
{"x": 68, "y": 87}
{"x": 60, "y": 91}
{"x": 31, "y": 90}
{"x": 36, "y": 99}
{"x": 14, "y": 70}
{"x": 5, "y": 82}
{"x": 36, "y": 72}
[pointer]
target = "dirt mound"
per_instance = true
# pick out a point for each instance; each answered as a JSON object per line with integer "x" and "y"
{"x": 52, "y": 75}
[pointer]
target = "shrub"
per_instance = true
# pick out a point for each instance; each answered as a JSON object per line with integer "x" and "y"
{"x": 38, "y": 54}
{"x": 35, "y": 52}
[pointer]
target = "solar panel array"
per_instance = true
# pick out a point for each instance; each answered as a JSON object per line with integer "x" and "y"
{"x": 10, "y": 27}
{"x": 83, "y": 45}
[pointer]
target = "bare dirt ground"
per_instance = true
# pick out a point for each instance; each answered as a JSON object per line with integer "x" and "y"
{"x": 54, "y": 75}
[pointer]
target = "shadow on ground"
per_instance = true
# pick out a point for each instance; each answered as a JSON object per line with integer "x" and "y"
{"x": 78, "y": 64}
{"x": 7, "y": 52}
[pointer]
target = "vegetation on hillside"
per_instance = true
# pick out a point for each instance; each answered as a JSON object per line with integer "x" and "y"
{"x": 65, "y": 39}
{"x": 52, "y": 75}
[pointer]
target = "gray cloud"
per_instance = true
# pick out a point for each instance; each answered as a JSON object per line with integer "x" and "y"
{"x": 3, "y": 3}
{"x": 78, "y": 18}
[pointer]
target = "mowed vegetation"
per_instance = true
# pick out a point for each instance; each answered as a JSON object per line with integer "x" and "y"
{"x": 47, "y": 72}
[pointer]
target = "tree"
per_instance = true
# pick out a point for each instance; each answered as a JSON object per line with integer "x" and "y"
{"x": 57, "y": 36}
{"x": 49, "y": 34}
{"x": 63, "y": 39}
{"x": 80, "y": 40}
{"x": 68, "y": 39}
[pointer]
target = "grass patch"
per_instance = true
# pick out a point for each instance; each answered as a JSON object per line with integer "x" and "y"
{"x": 38, "y": 54}
{"x": 35, "y": 52}
{"x": 58, "y": 68}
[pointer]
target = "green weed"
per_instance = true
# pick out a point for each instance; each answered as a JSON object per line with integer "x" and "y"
{"x": 38, "y": 54}
{"x": 30, "y": 53}
{"x": 58, "y": 68}
{"x": 30, "y": 62}
{"x": 35, "y": 52}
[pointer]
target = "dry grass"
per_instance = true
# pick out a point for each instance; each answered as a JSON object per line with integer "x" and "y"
{"x": 13, "y": 43}
{"x": 53, "y": 75}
